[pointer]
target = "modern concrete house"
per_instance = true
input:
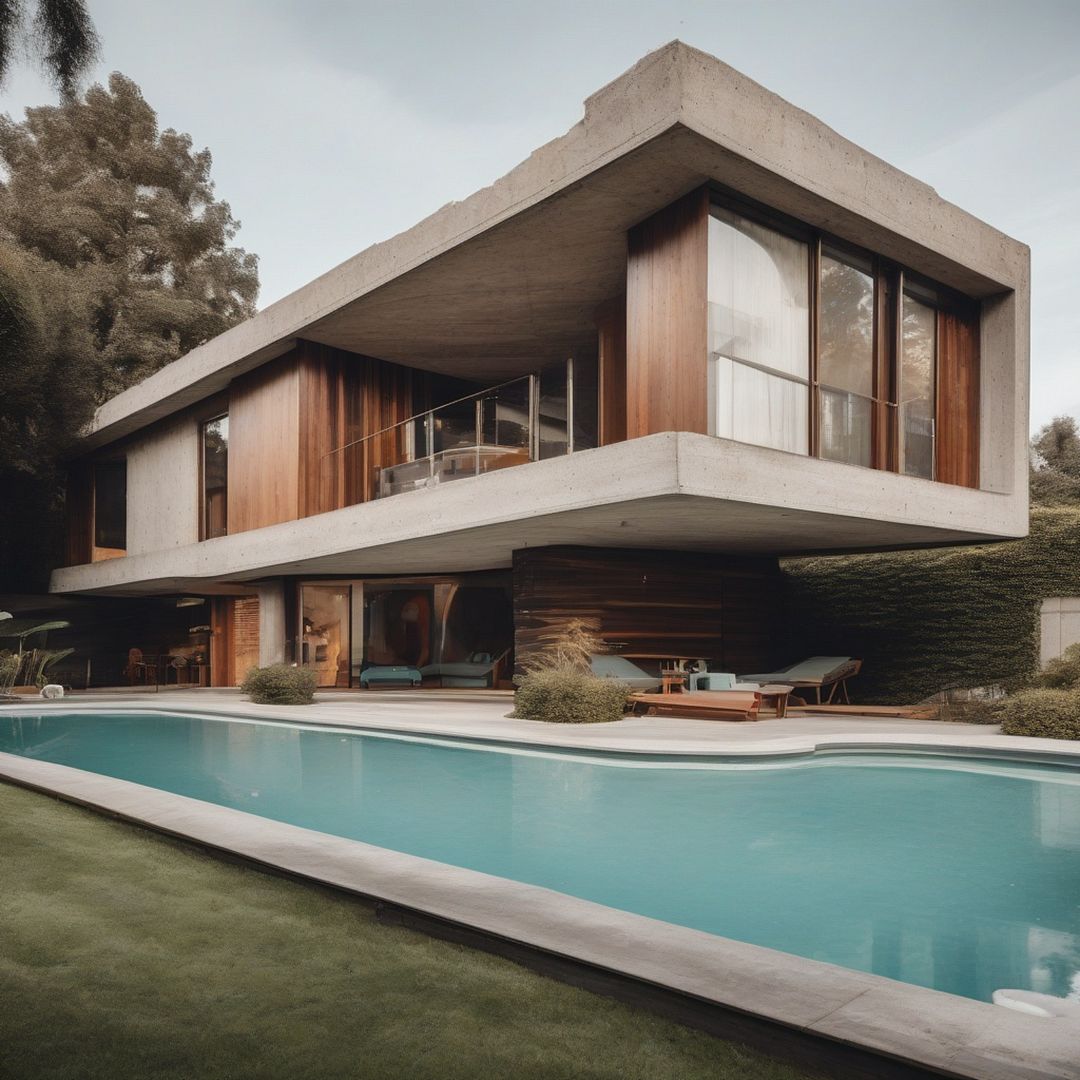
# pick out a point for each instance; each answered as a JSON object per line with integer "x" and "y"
{"x": 697, "y": 332}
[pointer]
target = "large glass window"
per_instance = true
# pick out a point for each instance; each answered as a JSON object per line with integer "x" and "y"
{"x": 845, "y": 359}
{"x": 215, "y": 477}
{"x": 759, "y": 334}
{"x": 110, "y": 505}
{"x": 918, "y": 370}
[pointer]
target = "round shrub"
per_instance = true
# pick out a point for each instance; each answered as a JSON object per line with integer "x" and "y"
{"x": 1062, "y": 673}
{"x": 280, "y": 684}
{"x": 1044, "y": 714}
{"x": 568, "y": 696}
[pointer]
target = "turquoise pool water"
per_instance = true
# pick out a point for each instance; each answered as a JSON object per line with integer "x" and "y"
{"x": 951, "y": 873}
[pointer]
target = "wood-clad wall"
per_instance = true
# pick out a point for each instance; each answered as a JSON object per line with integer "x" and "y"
{"x": 79, "y": 513}
{"x": 958, "y": 399}
{"x": 667, "y": 319}
{"x": 344, "y": 397}
{"x": 611, "y": 356}
{"x": 264, "y": 433}
{"x": 675, "y": 603}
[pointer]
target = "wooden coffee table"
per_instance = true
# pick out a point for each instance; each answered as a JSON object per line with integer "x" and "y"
{"x": 775, "y": 696}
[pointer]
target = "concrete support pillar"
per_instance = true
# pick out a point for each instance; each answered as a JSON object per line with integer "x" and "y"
{"x": 271, "y": 623}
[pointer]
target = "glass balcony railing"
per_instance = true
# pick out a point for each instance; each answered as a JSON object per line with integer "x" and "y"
{"x": 493, "y": 429}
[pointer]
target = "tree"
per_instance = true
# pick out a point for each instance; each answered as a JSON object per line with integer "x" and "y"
{"x": 1055, "y": 463}
{"x": 115, "y": 259}
{"x": 62, "y": 33}
{"x": 128, "y": 214}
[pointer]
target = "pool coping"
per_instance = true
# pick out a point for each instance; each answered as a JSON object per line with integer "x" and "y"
{"x": 902, "y": 1024}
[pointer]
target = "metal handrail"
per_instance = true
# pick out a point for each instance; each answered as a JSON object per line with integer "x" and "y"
{"x": 479, "y": 394}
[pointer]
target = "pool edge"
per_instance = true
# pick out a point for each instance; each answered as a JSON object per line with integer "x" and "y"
{"x": 861, "y": 1024}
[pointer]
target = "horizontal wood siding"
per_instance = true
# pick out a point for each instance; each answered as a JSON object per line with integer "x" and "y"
{"x": 264, "y": 424}
{"x": 673, "y": 602}
{"x": 667, "y": 319}
{"x": 958, "y": 399}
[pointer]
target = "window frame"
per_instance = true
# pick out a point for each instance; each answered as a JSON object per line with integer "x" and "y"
{"x": 891, "y": 280}
{"x": 203, "y": 523}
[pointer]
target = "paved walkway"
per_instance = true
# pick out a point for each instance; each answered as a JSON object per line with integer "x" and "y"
{"x": 483, "y": 714}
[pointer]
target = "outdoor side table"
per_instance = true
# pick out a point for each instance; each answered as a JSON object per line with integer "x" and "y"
{"x": 775, "y": 695}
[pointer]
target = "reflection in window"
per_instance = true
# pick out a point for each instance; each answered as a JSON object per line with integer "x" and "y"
{"x": 845, "y": 360}
{"x": 759, "y": 334}
{"x": 917, "y": 374}
{"x": 215, "y": 470}
{"x": 110, "y": 505}
{"x": 553, "y": 437}
{"x": 586, "y": 403}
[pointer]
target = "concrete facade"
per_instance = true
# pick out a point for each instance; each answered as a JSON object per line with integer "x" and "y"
{"x": 491, "y": 286}
{"x": 1059, "y": 627}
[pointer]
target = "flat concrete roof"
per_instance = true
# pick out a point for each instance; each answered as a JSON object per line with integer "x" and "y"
{"x": 936, "y": 1031}
{"x": 508, "y": 278}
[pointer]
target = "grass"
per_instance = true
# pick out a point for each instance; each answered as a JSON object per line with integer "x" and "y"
{"x": 126, "y": 955}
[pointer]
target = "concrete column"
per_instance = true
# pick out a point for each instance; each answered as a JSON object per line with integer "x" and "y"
{"x": 271, "y": 623}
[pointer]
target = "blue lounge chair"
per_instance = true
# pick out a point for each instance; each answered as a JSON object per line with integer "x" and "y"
{"x": 618, "y": 667}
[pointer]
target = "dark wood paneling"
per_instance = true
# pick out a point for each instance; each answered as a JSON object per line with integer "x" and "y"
{"x": 673, "y": 602}
{"x": 958, "y": 399}
{"x": 667, "y": 320}
{"x": 611, "y": 348}
{"x": 79, "y": 513}
{"x": 264, "y": 445}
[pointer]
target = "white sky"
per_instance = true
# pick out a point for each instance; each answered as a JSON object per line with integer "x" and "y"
{"x": 335, "y": 125}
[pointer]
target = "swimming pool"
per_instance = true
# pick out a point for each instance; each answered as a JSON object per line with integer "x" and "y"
{"x": 953, "y": 873}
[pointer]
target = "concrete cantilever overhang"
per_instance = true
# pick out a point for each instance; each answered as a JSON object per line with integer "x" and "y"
{"x": 675, "y": 489}
{"x": 448, "y": 294}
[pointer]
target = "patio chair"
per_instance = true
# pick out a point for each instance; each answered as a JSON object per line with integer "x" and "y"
{"x": 817, "y": 673}
{"x": 618, "y": 667}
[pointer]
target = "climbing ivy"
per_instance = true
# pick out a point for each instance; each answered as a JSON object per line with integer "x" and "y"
{"x": 925, "y": 620}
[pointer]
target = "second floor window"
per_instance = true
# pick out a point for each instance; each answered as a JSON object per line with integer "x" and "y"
{"x": 215, "y": 477}
{"x": 819, "y": 348}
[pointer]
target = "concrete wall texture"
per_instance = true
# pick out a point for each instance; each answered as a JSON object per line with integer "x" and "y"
{"x": 1059, "y": 627}
{"x": 679, "y": 118}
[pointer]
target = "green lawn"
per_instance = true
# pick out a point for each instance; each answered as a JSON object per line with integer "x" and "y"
{"x": 124, "y": 955}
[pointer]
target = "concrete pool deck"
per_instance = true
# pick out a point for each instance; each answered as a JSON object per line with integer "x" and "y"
{"x": 482, "y": 714}
{"x": 857, "y": 1024}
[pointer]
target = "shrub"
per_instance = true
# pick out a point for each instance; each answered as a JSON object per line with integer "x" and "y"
{"x": 280, "y": 684}
{"x": 568, "y": 695}
{"x": 1044, "y": 714}
{"x": 1062, "y": 673}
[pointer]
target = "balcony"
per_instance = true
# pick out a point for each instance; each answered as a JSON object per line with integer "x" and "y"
{"x": 530, "y": 418}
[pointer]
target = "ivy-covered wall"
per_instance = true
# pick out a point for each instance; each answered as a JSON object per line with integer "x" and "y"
{"x": 925, "y": 620}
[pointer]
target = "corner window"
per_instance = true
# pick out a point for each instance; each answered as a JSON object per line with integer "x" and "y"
{"x": 215, "y": 477}
{"x": 759, "y": 334}
{"x": 817, "y": 347}
{"x": 110, "y": 507}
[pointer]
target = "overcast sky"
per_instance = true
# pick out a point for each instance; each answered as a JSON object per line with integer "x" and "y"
{"x": 335, "y": 125}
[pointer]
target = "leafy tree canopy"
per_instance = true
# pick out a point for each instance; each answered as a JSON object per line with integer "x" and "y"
{"x": 1055, "y": 463}
{"x": 61, "y": 33}
{"x": 128, "y": 214}
{"x": 115, "y": 258}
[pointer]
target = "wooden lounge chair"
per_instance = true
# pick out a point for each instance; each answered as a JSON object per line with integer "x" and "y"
{"x": 818, "y": 673}
{"x": 701, "y": 705}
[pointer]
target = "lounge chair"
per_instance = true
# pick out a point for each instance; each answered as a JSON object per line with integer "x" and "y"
{"x": 701, "y": 705}
{"x": 818, "y": 673}
{"x": 618, "y": 667}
